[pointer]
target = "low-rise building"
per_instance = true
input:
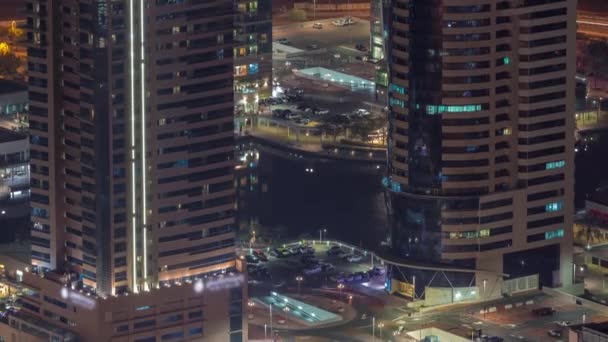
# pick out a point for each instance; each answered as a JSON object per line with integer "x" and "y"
{"x": 14, "y": 167}
{"x": 13, "y": 98}
{"x": 590, "y": 332}
{"x": 596, "y": 205}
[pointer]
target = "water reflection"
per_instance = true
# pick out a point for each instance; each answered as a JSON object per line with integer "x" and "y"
{"x": 284, "y": 195}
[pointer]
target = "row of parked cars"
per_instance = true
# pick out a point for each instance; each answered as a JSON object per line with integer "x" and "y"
{"x": 357, "y": 276}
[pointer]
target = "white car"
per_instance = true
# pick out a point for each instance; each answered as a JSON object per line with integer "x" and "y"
{"x": 361, "y": 112}
{"x": 284, "y": 41}
{"x": 322, "y": 112}
{"x": 354, "y": 258}
{"x": 338, "y": 22}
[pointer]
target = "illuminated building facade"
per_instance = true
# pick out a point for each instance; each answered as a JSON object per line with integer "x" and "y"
{"x": 481, "y": 162}
{"x": 252, "y": 54}
{"x": 132, "y": 151}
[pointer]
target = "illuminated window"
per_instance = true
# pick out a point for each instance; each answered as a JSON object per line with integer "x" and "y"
{"x": 554, "y": 206}
{"x": 506, "y": 60}
{"x": 253, "y": 68}
{"x": 397, "y": 88}
{"x": 434, "y": 110}
{"x": 242, "y": 51}
{"x": 240, "y": 70}
{"x": 396, "y": 102}
{"x": 554, "y": 234}
{"x": 555, "y": 164}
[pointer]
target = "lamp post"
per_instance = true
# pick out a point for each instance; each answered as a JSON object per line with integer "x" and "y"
{"x": 271, "y": 320}
{"x": 250, "y": 304}
{"x": 380, "y": 326}
{"x": 374, "y": 327}
{"x": 299, "y": 279}
{"x": 340, "y": 287}
{"x": 286, "y": 310}
{"x": 414, "y": 285}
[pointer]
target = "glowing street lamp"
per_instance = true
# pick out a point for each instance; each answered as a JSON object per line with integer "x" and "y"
{"x": 250, "y": 304}
{"x": 340, "y": 287}
{"x": 380, "y": 326}
{"x": 299, "y": 279}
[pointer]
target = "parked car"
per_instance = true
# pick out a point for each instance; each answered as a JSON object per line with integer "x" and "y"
{"x": 361, "y": 47}
{"x": 291, "y": 115}
{"x": 563, "y": 323}
{"x": 545, "y": 311}
{"x": 279, "y": 253}
{"x": 377, "y": 270}
{"x": 251, "y": 259}
{"x": 317, "y": 26}
{"x": 361, "y": 112}
{"x": 342, "y": 255}
{"x": 307, "y": 250}
{"x": 357, "y": 276}
{"x": 334, "y": 250}
{"x": 295, "y": 250}
{"x": 312, "y": 270}
{"x": 364, "y": 276}
{"x": 260, "y": 255}
{"x": 338, "y": 22}
{"x": 283, "y": 41}
{"x": 354, "y": 258}
{"x": 349, "y": 277}
{"x": 321, "y": 111}
{"x": 554, "y": 333}
{"x": 313, "y": 46}
{"x": 338, "y": 278}
{"x": 309, "y": 259}
{"x": 326, "y": 267}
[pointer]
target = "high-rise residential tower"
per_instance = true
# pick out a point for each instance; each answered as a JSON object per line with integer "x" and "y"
{"x": 481, "y": 162}
{"x": 132, "y": 151}
{"x": 252, "y": 54}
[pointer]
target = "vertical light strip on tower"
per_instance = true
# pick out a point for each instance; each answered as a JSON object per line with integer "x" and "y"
{"x": 143, "y": 146}
{"x": 133, "y": 169}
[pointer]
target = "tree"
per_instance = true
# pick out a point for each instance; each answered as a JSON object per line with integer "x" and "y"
{"x": 9, "y": 65}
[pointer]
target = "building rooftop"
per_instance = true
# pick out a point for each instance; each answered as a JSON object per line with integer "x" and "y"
{"x": 7, "y": 135}
{"x": 601, "y": 327}
{"x": 600, "y": 196}
{"x": 598, "y": 6}
{"x": 8, "y": 86}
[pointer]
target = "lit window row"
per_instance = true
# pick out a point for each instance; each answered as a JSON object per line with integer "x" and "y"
{"x": 434, "y": 110}
{"x": 555, "y": 164}
{"x": 397, "y": 88}
{"x": 554, "y": 234}
{"x": 473, "y": 234}
{"x": 397, "y": 102}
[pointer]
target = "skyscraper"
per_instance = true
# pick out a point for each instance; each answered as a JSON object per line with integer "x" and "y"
{"x": 252, "y": 54}
{"x": 481, "y": 162}
{"x": 132, "y": 144}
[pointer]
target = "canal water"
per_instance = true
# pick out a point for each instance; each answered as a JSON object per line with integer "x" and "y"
{"x": 288, "y": 196}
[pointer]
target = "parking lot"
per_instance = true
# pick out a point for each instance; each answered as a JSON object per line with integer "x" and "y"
{"x": 314, "y": 266}
{"x": 303, "y": 35}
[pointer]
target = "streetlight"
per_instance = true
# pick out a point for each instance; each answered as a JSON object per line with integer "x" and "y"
{"x": 299, "y": 279}
{"x": 380, "y": 326}
{"x": 250, "y": 304}
{"x": 286, "y": 310}
{"x": 340, "y": 287}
